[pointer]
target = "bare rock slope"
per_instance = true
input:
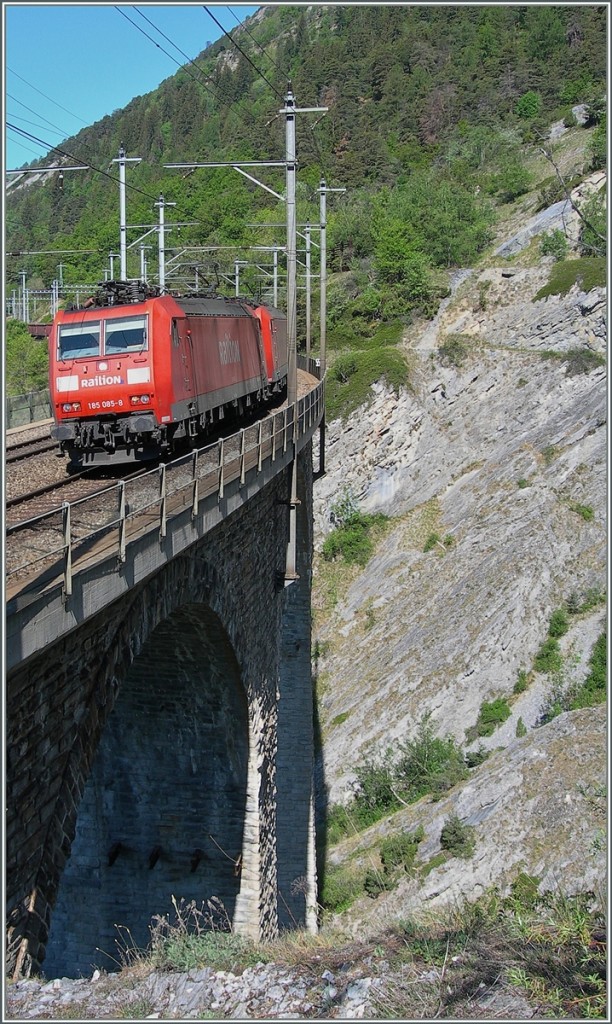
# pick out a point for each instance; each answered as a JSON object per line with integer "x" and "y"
{"x": 503, "y": 457}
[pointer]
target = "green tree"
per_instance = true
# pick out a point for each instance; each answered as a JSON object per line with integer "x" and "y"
{"x": 599, "y": 145}
{"x": 529, "y": 105}
{"x": 594, "y": 230}
{"x": 27, "y": 360}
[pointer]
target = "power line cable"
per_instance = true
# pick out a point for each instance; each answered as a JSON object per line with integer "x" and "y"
{"x": 63, "y": 152}
{"x": 276, "y": 65}
{"x": 35, "y": 124}
{"x": 159, "y": 47}
{"x": 227, "y": 33}
{"x": 249, "y": 33}
{"x": 26, "y": 149}
{"x": 208, "y": 78}
{"x": 45, "y": 96}
{"x": 38, "y": 114}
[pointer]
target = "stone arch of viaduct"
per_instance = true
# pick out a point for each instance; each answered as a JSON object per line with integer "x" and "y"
{"x": 164, "y": 749}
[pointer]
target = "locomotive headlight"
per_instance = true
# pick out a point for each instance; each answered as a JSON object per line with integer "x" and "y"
{"x": 138, "y": 399}
{"x": 71, "y": 407}
{"x": 144, "y": 399}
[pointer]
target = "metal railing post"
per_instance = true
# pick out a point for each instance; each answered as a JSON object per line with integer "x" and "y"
{"x": 67, "y": 550}
{"x": 221, "y": 468}
{"x": 162, "y": 499}
{"x": 196, "y": 497}
{"x": 274, "y": 419}
{"x": 242, "y": 454}
{"x": 259, "y": 452}
{"x": 122, "y": 521}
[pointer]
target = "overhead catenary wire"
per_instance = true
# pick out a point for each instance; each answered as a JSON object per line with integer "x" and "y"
{"x": 202, "y": 77}
{"x": 63, "y": 131}
{"x": 44, "y": 95}
{"x": 227, "y": 33}
{"x": 63, "y": 152}
{"x": 242, "y": 25}
{"x": 159, "y": 47}
{"x": 278, "y": 67}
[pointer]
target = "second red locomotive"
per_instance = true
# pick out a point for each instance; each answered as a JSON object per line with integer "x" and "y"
{"x": 136, "y": 372}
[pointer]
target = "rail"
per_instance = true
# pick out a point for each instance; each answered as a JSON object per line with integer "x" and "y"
{"x": 113, "y": 515}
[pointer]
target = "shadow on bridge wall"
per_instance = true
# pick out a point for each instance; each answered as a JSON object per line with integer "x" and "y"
{"x": 164, "y": 808}
{"x": 164, "y": 738}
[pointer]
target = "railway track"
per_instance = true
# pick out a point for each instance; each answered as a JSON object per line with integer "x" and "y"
{"x": 102, "y": 509}
{"x": 27, "y": 449}
{"x": 53, "y": 495}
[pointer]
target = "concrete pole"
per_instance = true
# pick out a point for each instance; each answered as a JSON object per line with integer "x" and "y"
{"x": 122, "y": 220}
{"x": 161, "y": 203}
{"x": 291, "y": 562}
{"x": 276, "y": 278}
{"x": 161, "y": 245}
{"x": 291, "y": 249}
{"x": 23, "y": 275}
{"x": 143, "y": 268}
{"x": 122, "y": 160}
{"x": 307, "y": 232}
{"x": 323, "y": 243}
{"x": 236, "y": 278}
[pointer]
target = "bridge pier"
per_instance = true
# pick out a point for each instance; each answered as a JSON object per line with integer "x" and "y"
{"x": 162, "y": 748}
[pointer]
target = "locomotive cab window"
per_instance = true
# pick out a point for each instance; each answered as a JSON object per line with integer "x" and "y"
{"x": 80, "y": 340}
{"x": 129, "y": 334}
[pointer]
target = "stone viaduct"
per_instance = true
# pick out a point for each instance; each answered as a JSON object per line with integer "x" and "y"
{"x": 159, "y": 739}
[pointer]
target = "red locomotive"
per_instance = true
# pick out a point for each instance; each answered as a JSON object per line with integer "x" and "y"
{"x": 136, "y": 372}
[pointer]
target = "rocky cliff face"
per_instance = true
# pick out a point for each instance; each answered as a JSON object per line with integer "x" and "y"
{"x": 503, "y": 456}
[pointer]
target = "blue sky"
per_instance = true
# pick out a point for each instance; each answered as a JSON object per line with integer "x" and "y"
{"x": 68, "y": 65}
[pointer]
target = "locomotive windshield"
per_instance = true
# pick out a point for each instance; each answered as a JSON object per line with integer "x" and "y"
{"x": 79, "y": 340}
{"x": 125, "y": 335}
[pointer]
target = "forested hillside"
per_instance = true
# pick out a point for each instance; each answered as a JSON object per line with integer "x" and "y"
{"x": 433, "y": 112}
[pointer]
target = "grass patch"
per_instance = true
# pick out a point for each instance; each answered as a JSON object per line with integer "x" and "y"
{"x": 433, "y": 863}
{"x": 341, "y": 887}
{"x": 549, "y": 945}
{"x": 580, "y": 602}
{"x": 549, "y": 454}
{"x": 339, "y": 719}
{"x": 199, "y": 937}
{"x": 491, "y": 715}
{"x": 399, "y": 850}
{"x": 548, "y": 658}
{"x": 588, "y": 272}
{"x": 345, "y": 336}
{"x": 351, "y": 376}
{"x": 559, "y": 623}
{"x": 454, "y": 350}
{"x": 390, "y": 778}
{"x": 576, "y": 360}
{"x": 354, "y": 539}
{"x": 457, "y": 838}
{"x": 584, "y": 511}
{"x": 522, "y": 682}
{"x": 397, "y": 855}
{"x": 572, "y": 696}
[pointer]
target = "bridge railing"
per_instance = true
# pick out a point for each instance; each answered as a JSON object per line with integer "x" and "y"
{"x": 104, "y": 523}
